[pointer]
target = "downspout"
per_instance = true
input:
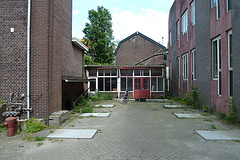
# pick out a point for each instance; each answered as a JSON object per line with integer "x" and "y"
{"x": 28, "y": 58}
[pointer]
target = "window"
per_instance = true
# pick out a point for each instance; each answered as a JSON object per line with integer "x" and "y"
{"x": 171, "y": 70}
{"x": 184, "y": 22}
{"x": 213, "y": 3}
{"x": 218, "y": 9}
{"x": 170, "y": 38}
{"x": 107, "y": 72}
{"x": 92, "y": 73}
{"x": 230, "y": 64}
{"x": 178, "y": 30}
{"x": 178, "y": 74}
{"x": 178, "y": 65}
{"x": 126, "y": 84}
{"x": 126, "y": 72}
{"x": 93, "y": 85}
{"x": 229, "y": 5}
{"x": 193, "y": 13}
{"x": 216, "y": 62}
{"x": 143, "y": 72}
{"x": 157, "y": 72}
{"x": 185, "y": 66}
{"x": 194, "y": 77}
{"x": 133, "y": 39}
{"x": 157, "y": 84}
{"x": 107, "y": 84}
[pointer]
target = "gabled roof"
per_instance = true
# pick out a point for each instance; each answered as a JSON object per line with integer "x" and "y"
{"x": 142, "y": 35}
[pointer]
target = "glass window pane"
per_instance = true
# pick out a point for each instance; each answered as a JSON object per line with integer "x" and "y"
{"x": 100, "y": 72}
{"x": 138, "y": 84}
{"x": 153, "y": 84}
{"x": 114, "y": 72}
{"x": 93, "y": 72}
{"x": 130, "y": 84}
{"x": 123, "y": 84}
{"x": 146, "y": 84}
{"x": 107, "y": 72}
{"x": 229, "y": 5}
{"x": 93, "y": 85}
{"x": 114, "y": 84}
{"x": 220, "y": 84}
{"x": 137, "y": 72}
{"x": 123, "y": 72}
{"x": 215, "y": 63}
{"x": 231, "y": 82}
{"x": 195, "y": 66}
{"x": 146, "y": 72}
{"x": 230, "y": 49}
{"x": 129, "y": 72}
{"x": 160, "y": 84}
{"x": 100, "y": 84}
{"x": 220, "y": 57}
{"x": 107, "y": 84}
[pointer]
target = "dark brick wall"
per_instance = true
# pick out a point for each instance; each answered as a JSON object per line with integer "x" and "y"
{"x": 73, "y": 62}
{"x": 13, "y": 47}
{"x": 131, "y": 52}
{"x": 172, "y": 50}
{"x": 203, "y": 50}
{"x": 51, "y": 34}
{"x": 236, "y": 49}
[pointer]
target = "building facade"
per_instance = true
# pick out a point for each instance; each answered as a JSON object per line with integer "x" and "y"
{"x": 38, "y": 54}
{"x": 203, "y": 48}
{"x": 136, "y": 48}
{"x": 142, "y": 81}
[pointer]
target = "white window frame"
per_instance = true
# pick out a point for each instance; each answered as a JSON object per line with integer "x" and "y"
{"x": 193, "y": 64}
{"x": 179, "y": 71}
{"x": 228, "y": 10}
{"x": 185, "y": 22}
{"x": 193, "y": 13}
{"x": 185, "y": 66}
{"x": 230, "y": 68}
{"x": 218, "y": 9}
{"x": 157, "y": 84}
{"x": 171, "y": 71}
{"x": 217, "y": 77}
{"x": 213, "y": 3}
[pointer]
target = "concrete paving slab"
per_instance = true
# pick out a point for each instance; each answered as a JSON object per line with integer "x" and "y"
{"x": 172, "y": 106}
{"x": 105, "y": 106}
{"x": 73, "y": 134}
{"x": 185, "y": 115}
{"x": 220, "y": 135}
{"x": 95, "y": 114}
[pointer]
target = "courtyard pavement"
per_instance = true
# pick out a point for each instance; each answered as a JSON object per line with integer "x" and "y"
{"x": 136, "y": 131}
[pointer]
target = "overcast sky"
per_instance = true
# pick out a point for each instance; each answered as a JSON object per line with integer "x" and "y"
{"x": 150, "y": 17}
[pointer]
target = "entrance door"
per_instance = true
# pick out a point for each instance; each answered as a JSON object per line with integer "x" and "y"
{"x": 141, "y": 87}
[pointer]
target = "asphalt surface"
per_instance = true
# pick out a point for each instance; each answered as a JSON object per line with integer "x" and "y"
{"x": 136, "y": 131}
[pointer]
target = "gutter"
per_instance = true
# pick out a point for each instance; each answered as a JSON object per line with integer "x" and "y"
{"x": 155, "y": 54}
{"x": 28, "y": 58}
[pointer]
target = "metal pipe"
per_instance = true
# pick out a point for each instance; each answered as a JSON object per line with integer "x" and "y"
{"x": 28, "y": 57}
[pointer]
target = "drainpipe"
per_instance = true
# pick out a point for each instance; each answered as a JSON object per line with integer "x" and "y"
{"x": 28, "y": 58}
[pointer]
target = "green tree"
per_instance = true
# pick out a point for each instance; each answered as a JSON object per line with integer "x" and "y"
{"x": 99, "y": 36}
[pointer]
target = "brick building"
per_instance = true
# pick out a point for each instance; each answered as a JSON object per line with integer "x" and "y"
{"x": 38, "y": 55}
{"x": 140, "y": 69}
{"x": 203, "y": 50}
{"x": 137, "y": 47}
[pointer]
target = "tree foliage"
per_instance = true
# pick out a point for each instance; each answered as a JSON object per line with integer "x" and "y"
{"x": 99, "y": 36}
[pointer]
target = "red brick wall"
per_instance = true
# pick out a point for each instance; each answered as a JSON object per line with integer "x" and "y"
{"x": 131, "y": 52}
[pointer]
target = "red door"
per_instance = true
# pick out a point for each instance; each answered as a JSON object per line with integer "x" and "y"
{"x": 141, "y": 87}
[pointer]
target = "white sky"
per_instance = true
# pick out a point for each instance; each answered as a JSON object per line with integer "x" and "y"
{"x": 148, "y": 17}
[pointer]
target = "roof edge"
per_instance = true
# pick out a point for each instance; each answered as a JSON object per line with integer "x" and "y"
{"x": 78, "y": 43}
